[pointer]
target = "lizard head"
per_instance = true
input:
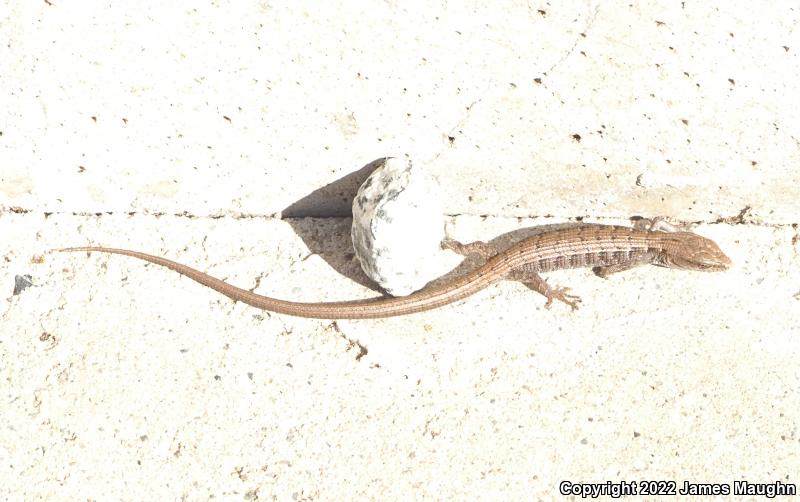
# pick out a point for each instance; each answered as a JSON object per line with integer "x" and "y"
{"x": 690, "y": 251}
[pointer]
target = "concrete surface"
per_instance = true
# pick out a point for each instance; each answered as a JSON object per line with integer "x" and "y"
{"x": 192, "y": 129}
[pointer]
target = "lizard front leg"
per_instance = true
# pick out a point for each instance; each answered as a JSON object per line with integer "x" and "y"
{"x": 657, "y": 224}
{"x": 604, "y": 272}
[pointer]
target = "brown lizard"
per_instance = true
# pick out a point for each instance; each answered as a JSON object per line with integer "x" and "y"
{"x": 608, "y": 249}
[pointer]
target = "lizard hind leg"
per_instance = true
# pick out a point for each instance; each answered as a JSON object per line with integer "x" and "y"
{"x": 479, "y": 248}
{"x": 536, "y": 282}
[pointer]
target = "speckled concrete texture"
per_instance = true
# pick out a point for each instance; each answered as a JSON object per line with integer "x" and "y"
{"x": 232, "y": 136}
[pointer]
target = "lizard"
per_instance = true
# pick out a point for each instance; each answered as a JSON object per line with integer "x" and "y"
{"x": 608, "y": 249}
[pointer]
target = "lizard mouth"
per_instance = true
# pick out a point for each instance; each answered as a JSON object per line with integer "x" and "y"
{"x": 721, "y": 262}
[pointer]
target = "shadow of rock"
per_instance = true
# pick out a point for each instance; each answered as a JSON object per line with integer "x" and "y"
{"x": 322, "y": 219}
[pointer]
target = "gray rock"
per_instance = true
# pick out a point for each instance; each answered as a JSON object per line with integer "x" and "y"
{"x": 398, "y": 224}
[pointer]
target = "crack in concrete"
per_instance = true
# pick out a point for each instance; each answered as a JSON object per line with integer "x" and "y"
{"x": 351, "y": 342}
{"x": 583, "y": 34}
{"x": 743, "y": 217}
